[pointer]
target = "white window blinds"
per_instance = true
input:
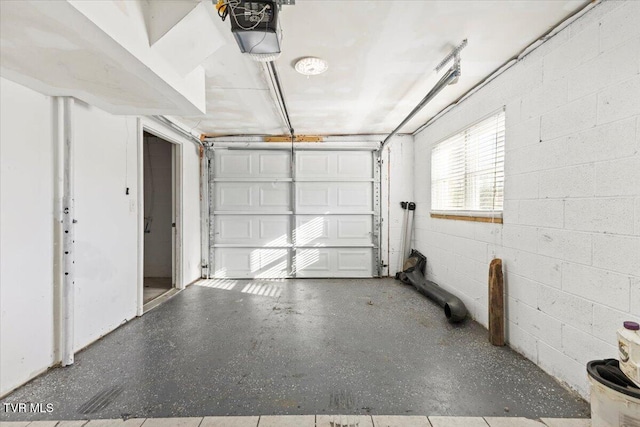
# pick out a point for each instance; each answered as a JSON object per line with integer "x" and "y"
{"x": 467, "y": 170}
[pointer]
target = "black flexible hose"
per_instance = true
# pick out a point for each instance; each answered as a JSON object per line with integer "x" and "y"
{"x": 454, "y": 308}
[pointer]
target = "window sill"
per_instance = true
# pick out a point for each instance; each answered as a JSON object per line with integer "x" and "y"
{"x": 494, "y": 218}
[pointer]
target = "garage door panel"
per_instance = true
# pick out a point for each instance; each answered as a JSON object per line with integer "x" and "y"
{"x": 354, "y": 196}
{"x": 236, "y": 263}
{"x": 333, "y": 165}
{"x": 274, "y": 231}
{"x": 312, "y": 260}
{"x": 275, "y": 196}
{"x": 333, "y": 197}
{"x": 354, "y": 229}
{"x": 313, "y": 196}
{"x": 355, "y": 164}
{"x": 234, "y": 196}
{"x": 312, "y": 165}
{"x": 233, "y": 163}
{"x": 329, "y": 230}
{"x": 267, "y": 221}
{"x": 253, "y": 196}
{"x": 274, "y": 164}
{"x": 311, "y": 230}
{"x": 252, "y": 229}
{"x": 231, "y": 229}
{"x": 354, "y": 260}
{"x": 333, "y": 262}
{"x": 252, "y": 164}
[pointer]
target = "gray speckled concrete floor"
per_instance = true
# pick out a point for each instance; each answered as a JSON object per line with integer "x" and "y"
{"x": 302, "y": 347}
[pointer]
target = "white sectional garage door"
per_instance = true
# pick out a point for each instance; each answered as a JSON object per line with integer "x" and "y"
{"x": 293, "y": 213}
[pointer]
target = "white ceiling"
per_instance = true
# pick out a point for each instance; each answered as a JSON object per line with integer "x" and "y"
{"x": 177, "y": 57}
{"x": 381, "y": 58}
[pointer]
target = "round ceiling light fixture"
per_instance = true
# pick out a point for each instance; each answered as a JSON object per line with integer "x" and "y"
{"x": 311, "y": 66}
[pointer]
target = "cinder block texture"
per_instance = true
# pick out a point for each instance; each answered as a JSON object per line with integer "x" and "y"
{"x": 570, "y": 238}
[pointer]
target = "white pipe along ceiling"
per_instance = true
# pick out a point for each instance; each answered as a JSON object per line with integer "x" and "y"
{"x": 178, "y": 59}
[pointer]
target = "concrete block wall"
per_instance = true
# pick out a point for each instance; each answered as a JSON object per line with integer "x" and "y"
{"x": 570, "y": 241}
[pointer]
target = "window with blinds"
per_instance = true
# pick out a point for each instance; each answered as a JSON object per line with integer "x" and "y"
{"x": 467, "y": 170}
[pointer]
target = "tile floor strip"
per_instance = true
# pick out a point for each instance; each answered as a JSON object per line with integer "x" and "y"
{"x": 343, "y": 421}
{"x": 313, "y": 421}
{"x": 512, "y": 422}
{"x": 132, "y": 422}
{"x": 567, "y": 422}
{"x": 400, "y": 421}
{"x": 172, "y": 422}
{"x": 287, "y": 421}
{"x": 457, "y": 422}
{"x": 230, "y": 422}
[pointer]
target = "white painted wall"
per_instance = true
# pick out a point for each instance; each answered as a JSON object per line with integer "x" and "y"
{"x": 570, "y": 242}
{"x": 27, "y": 202}
{"x": 191, "y": 244}
{"x": 106, "y": 234}
{"x": 157, "y": 207}
{"x": 397, "y": 186}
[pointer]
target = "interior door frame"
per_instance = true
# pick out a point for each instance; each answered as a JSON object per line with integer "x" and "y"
{"x": 161, "y": 131}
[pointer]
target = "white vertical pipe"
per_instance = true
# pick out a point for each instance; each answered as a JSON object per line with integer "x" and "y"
{"x": 140, "y": 207}
{"x": 179, "y": 209}
{"x": 293, "y": 251}
{"x": 68, "y": 254}
{"x": 204, "y": 212}
{"x": 58, "y": 228}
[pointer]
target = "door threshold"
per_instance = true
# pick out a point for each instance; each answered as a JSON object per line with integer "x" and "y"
{"x": 159, "y": 300}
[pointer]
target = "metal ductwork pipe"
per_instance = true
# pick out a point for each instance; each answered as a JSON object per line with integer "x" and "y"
{"x": 454, "y": 309}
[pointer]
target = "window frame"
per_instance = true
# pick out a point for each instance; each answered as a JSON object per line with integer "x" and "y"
{"x": 490, "y": 216}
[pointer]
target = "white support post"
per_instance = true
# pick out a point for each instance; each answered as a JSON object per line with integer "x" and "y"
{"x": 140, "y": 209}
{"x": 204, "y": 212}
{"x": 68, "y": 243}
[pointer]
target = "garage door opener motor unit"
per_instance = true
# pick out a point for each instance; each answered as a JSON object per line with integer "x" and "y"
{"x": 254, "y": 25}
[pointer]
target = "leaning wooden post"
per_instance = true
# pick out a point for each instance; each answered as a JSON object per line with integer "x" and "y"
{"x": 496, "y": 303}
